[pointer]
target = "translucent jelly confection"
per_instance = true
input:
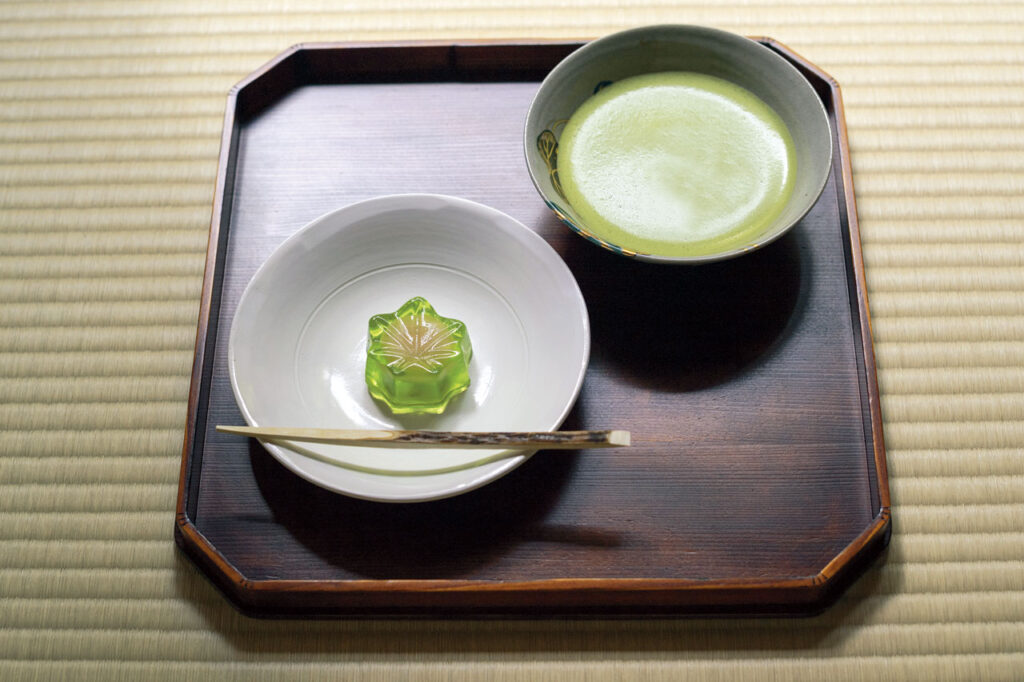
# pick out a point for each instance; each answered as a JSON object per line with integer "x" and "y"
{"x": 416, "y": 360}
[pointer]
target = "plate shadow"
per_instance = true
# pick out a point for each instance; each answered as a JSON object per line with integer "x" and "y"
{"x": 442, "y": 539}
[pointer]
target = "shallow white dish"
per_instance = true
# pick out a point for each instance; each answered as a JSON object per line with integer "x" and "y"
{"x": 297, "y": 348}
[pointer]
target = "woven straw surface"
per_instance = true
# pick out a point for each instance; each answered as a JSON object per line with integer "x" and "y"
{"x": 110, "y": 117}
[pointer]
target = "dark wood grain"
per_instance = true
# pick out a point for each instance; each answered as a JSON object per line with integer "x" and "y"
{"x": 756, "y": 482}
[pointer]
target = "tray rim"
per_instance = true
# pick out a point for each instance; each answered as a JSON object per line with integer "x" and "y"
{"x": 632, "y": 596}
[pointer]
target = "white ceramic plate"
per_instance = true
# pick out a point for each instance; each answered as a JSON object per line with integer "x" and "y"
{"x": 297, "y": 349}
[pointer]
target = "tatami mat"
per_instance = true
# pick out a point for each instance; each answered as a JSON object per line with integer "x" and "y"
{"x": 110, "y": 120}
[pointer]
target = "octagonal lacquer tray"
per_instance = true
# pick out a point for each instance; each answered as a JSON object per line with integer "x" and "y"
{"x": 757, "y": 479}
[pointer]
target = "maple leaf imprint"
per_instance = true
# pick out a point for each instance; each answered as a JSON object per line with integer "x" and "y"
{"x": 417, "y": 342}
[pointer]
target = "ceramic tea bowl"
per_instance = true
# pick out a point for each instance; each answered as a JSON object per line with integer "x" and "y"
{"x": 680, "y": 48}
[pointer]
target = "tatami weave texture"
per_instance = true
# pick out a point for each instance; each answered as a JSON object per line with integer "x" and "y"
{"x": 110, "y": 119}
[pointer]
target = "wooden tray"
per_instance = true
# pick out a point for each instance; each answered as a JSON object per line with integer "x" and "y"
{"x": 757, "y": 483}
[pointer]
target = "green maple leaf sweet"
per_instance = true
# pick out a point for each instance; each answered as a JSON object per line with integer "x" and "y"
{"x": 417, "y": 360}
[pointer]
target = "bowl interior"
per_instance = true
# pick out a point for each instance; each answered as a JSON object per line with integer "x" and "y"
{"x": 681, "y": 48}
{"x": 297, "y": 350}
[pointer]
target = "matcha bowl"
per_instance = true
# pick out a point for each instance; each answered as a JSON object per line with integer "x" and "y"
{"x": 678, "y": 144}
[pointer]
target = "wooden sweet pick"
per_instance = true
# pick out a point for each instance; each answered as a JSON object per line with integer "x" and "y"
{"x": 530, "y": 440}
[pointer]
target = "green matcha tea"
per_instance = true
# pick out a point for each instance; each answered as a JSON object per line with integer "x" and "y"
{"x": 676, "y": 163}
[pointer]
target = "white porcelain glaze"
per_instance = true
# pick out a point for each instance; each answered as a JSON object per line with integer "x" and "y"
{"x": 297, "y": 349}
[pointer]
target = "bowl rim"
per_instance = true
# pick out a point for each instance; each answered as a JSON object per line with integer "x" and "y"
{"x": 719, "y": 35}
